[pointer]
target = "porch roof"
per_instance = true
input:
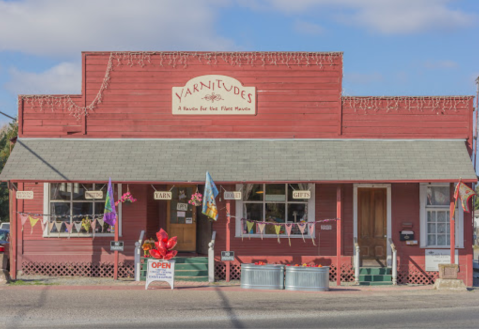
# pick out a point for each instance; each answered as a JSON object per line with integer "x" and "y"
{"x": 246, "y": 160}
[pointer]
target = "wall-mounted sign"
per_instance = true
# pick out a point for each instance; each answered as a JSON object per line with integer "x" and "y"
{"x": 434, "y": 257}
{"x": 227, "y": 256}
{"x": 93, "y": 195}
{"x": 326, "y": 227}
{"x": 182, "y": 206}
{"x": 214, "y": 95}
{"x": 236, "y": 195}
{"x": 117, "y": 245}
{"x": 162, "y": 195}
{"x": 189, "y": 220}
{"x": 25, "y": 195}
{"x": 301, "y": 194}
{"x": 160, "y": 270}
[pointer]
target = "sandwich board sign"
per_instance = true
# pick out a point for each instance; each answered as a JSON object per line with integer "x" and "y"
{"x": 160, "y": 270}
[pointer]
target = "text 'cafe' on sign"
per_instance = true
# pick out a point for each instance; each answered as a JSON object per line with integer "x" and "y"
{"x": 214, "y": 95}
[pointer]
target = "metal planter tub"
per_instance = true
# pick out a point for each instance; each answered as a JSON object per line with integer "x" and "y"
{"x": 262, "y": 276}
{"x": 307, "y": 278}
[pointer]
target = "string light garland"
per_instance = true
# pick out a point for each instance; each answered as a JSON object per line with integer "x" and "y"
{"x": 179, "y": 58}
{"x": 373, "y": 104}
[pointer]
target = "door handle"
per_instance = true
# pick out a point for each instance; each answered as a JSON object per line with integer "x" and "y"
{"x": 385, "y": 236}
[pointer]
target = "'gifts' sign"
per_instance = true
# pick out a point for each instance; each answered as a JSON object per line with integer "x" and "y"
{"x": 214, "y": 95}
{"x": 301, "y": 194}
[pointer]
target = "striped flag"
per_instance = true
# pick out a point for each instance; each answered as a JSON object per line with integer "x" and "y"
{"x": 109, "y": 216}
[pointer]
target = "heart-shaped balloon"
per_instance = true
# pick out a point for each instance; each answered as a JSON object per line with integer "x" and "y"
{"x": 170, "y": 254}
{"x": 171, "y": 243}
{"x": 155, "y": 254}
{"x": 162, "y": 235}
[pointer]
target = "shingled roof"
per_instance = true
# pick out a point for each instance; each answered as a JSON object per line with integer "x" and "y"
{"x": 175, "y": 160}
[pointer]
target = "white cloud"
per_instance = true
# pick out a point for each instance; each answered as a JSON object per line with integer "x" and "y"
{"x": 441, "y": 64}
{"x": 64, "y": 28}
{"x": 64, "y": 78}
{"x": 383, "y": 16}
{"x": 308, "y": 28}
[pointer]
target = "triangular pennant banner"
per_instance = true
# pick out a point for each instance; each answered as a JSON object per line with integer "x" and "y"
{"x": 311, "y": 228}
{"x": 77, "y": 226}
{"x": 33, "y": 222}
{"x": 101, "y": 222}
{"x": 44, "y": 224}
{"x": 58, "y": 225}
{"x": 288, "y": 228}
{"x": 249, "y": 225}
{"x": 69, "y": 228}
{"x": 277, "y": 228}
{"x": 242, "y": 228}
{"x": 24, "y": 219}
{"x": 302, "y": 227}
{"x": 50, "y": 227}
{"x": 261, "y": 229}
{"x": 93, "y": 227}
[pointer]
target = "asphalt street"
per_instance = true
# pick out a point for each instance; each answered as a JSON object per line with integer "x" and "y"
{"x": 50, "y": 307}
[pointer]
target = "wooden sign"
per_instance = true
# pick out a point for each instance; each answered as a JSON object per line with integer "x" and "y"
{"x": 214, "y": 95}
{"x": 162, "y": 195}
{"x": 93, "y": 195}
{"x": 302, "y": 195}
{"x": 160, "y": 270}
{"x": 235, "y": 195}
{"x": 25, "y": 195}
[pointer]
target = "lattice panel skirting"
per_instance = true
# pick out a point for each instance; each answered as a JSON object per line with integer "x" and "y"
{"x": 125, "y": 270}
{"x": 413, "y": 275}
{"x": 347, "y": 272}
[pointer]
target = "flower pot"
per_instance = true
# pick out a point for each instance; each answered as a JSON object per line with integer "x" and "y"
{"x": 262, "y": 276}
{"x": 307, "y": 278}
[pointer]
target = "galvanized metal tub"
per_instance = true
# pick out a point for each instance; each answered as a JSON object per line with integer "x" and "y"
{"x": 307, "y": 278}
{"x": 262, "y": 276}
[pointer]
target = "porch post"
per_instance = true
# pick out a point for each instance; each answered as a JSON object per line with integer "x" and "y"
{"x": 228, "y": 240}
{"x": 13, "y": 231}
{"x": 115, "y": 264}
{"x": 338, "y": 235}
{"x": 452, "y": 227}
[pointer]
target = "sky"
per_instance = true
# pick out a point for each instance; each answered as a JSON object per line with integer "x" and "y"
{"x": 391, "y": 47}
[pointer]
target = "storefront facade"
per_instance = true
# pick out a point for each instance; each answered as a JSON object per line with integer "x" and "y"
{"x": 265, "y": 124}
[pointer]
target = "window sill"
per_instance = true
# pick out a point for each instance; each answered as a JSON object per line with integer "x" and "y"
{"x": 439, "y": 247}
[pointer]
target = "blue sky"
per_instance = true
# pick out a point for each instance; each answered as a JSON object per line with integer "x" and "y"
{"x": 391, "y": 47}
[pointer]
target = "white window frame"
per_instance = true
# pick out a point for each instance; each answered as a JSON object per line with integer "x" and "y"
{"x": 459, "y": 219}
{"x": 239, "y": 215}
{"x": 46, "y": 210}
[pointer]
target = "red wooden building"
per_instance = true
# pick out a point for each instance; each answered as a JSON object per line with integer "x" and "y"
{"x": 263, "y": 123}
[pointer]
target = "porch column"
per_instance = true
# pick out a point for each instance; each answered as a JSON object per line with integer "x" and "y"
{"x": 338, "y": 235}
{"x": 116, "y": 255}
{"x": 452, "y": 206}
{"x": 13, "y": 231}
{"x": 228, "y": 240}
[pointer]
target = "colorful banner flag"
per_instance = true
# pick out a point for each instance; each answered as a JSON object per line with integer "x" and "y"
{"x": 209, "y": 195}
{"x": 249, "y": 226}
{"x": 77, "y": 226}
{"x": 302, "y": 227}
{"x": 311, "y": 228}
{"x": 261, "y": 229}
{"x": 277, "y": 229}
{"x": 288, "y": 228}
{"x": 33, "y": 222}
{"x": 69, "y": 228}
{"x": 24, "y": 219}
{"x": 465, "y": 193}
{"x": 109, "y": 215}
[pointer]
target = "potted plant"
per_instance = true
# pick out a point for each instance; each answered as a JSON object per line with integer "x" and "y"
{"x": 126, "y": 198}
{"x": 196, "y": 199}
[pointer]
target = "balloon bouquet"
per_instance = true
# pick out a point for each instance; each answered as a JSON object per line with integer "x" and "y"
{"x": 163, "y": 247}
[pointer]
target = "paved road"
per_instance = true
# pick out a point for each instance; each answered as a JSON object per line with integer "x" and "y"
{"x": 54, "y": 307}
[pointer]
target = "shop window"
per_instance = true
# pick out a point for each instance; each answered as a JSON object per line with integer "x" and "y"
{"x": 435, "y": 224}
{"x": 67, "y": 203}
{"x": 273, "y": 203}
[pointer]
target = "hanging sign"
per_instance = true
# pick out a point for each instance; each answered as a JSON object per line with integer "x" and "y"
{"x": 236, "y": 195}
{"x": 93, "y": 195}
{"x": 214, "y": 95}
{"x": 227, "y": 256}
{"x": 25, "y": 195}
{"x": 160, "y": 270}
{"x": 301, "y": 194}
{"x": 182, "y": 206}
{"x": 162, "y": 195}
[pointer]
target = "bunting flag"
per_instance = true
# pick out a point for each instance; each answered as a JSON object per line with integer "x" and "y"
{"x": 311, "y": 228}
{"x": 277, "y": 228}
{"x": 288, "y": 228}
{"x": 77, "y": 226}
{"x": 24, "y": 219}
{"x": 209, "y": 194}
{"x": 58, "y": 225}
{"x": 465, "y": 193}
{"x": 50, "y": 227}
{"x": 249, "y": 226}
{"x": 109, "y": 215}
{"x": 33, "y": 222}
{"x": 302, "y": 227}
{"x": 261, "y": 229}
{"x": 44, "y": 223}
{"x": 69, "y": 228}
{"x": 101, "y": 222}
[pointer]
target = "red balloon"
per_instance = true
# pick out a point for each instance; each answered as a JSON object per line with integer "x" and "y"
{"x": 171, "y": 243}
{"x": 155, "y": 254}
{"x": 162, "y": 235}
{"x": 170, "y": 254}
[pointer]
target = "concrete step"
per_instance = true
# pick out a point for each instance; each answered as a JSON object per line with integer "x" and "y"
{"x": 375, "y": 271}
{"x": 375, "y": 278}
{"x": 192, "y": 278}
{"x": 373, "y": 283}
{"x": 190, "y": 273}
